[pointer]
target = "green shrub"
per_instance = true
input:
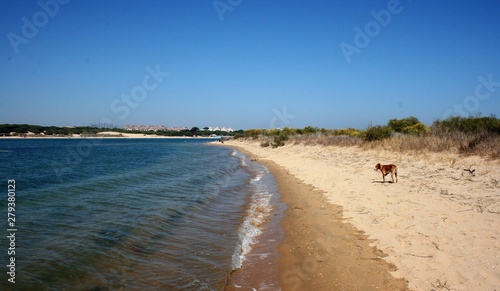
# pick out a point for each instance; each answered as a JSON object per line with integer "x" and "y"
{"x": 352, "y": 132}
{"x": 289, "y": 131}
{"x": 377, "y": 132}
{"x": 467, "y": 125}
{"x": 417, "y": 129}
{"x": 272, "y": 132}
{"x": 398, "y": 125}
{"x": 253, "y": 133}
{"x": 279, "y": 140}
{"x": 308, "y": 130}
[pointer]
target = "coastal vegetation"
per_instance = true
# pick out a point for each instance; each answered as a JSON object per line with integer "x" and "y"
{"x": 25, "y": 129}
{"x": 473, "y": 135}
{"x": 89, "y": 131}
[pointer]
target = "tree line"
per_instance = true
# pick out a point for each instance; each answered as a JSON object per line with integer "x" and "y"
{"x": 20, "y": 129}
{"x": 24, "y": 129}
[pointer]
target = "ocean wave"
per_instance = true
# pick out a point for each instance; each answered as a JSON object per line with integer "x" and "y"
{"x": 257, "y": 214}
{"x": 257, "y": 178}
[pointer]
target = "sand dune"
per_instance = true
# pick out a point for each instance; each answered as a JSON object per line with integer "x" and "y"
{"x": 439, "y": 225}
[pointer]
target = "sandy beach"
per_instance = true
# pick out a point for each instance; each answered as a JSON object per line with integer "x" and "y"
{"x": 436, "y": 229}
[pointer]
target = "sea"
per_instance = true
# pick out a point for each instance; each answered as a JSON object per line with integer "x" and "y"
{"x": 136, "y": 214}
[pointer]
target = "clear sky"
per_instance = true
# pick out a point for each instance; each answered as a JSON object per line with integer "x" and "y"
{"x": 247, "y": 64}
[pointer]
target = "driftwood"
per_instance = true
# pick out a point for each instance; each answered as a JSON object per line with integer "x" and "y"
{"x": 471, "y": 171}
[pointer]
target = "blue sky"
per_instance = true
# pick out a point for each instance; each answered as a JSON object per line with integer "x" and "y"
{"x": 247, "y": 64}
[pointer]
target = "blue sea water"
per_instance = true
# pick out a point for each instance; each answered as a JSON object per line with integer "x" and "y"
{"x": 149, "y": 214}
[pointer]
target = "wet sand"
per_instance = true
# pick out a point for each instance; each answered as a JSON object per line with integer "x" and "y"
{"x": 320, "y": 250}
{"x": 260, "y": 271}
{"x": 345, "y": 229}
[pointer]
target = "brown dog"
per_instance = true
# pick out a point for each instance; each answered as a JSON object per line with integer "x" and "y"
{"x": 386, "y": 169}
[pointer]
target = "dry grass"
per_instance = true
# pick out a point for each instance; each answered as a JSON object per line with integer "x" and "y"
{"x": 405, "y": 143}
{"x": 484, "y": 145}
{"x": 325, "y": 140}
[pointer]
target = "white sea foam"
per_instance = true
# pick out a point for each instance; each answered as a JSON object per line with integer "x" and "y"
{"x": 257, "y": 178}
{"x": 255, "y": 217}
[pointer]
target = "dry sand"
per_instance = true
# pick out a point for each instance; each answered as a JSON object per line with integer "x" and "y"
{"x": 438, "y": 227}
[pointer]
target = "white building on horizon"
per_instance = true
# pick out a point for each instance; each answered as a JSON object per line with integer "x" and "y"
{"x": 228, "y": 129}
{"x": 153, "y": 128}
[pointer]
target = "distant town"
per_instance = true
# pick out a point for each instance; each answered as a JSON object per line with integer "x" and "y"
{"x": 93, "y": 130}
{"x": 165, "y": 128}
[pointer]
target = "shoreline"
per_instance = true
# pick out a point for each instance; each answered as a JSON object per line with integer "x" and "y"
{"x": 310, "y": 255}
{"x": 437, "y": 228}
{"x": 259, "y": 271}
{"x": 108, "y": 134}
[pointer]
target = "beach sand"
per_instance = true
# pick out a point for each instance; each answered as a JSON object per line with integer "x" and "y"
{"x": 438, "y": 228}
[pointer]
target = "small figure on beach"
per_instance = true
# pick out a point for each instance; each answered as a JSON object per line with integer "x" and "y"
{"x": 386, "y": 169}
